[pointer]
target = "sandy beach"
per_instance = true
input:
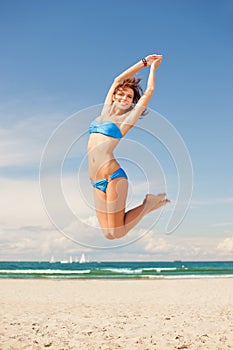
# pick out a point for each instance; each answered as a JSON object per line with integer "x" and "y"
{"x": 116, "y": 314}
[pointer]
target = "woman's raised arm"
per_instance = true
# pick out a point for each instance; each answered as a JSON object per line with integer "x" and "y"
{"x": 127, "y": 74}
{"x": 143, "y": 102}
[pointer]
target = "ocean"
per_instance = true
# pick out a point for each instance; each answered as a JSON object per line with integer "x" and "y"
{"x": 115, "y": 270}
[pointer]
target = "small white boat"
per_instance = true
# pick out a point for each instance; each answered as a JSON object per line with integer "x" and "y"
{"x": 52, "y": 261}
{"x": 82, "y": 259}
{"x": 64, "y": 261}
{"x": 67, "y": 261}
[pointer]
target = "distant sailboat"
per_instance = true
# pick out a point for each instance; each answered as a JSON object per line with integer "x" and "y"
{"x": 82, "y": 259}
{"x": 64, "y": 261}
{"x": 52, "y": 261}
{"x": 67, "y": 261}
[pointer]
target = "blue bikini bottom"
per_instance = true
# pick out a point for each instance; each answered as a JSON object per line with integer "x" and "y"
{"x": 103, "y": 184}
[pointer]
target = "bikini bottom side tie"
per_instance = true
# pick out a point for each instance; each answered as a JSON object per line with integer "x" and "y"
{"x": 103, "y": 184}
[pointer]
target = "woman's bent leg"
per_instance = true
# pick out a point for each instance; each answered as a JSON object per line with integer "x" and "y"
{"x": 110, "y": 208}
{"x": 150, "y": 203}
{"x": 119, "y": 222}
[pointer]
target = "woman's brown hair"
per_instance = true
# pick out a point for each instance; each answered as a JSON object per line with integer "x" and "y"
{"x": 133, "y": 83}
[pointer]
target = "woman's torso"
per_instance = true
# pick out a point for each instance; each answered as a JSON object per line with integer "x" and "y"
{"x": 101, "y": 160}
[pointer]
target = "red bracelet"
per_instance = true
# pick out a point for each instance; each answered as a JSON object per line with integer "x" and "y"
{"x": 144, "y": 62}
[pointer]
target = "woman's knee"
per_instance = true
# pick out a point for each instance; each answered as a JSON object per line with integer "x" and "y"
{"x": 114, "y": 232}
{"x": 117, "y": 232}
{"x": 108, "y": 236}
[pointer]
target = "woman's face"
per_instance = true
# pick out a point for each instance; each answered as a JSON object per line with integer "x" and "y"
{"x": 124, "y": 97}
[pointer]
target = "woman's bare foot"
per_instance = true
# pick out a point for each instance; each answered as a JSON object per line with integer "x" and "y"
{"x": 153, "y": 202}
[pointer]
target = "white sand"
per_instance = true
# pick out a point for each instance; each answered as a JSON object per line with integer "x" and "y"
{"x": 116, "y": 314}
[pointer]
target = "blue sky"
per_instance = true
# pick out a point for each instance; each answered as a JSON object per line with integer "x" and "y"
{"x": 59, "y": 57}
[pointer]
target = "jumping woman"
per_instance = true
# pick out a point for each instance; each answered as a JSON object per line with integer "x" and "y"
{"x": 123, "y": 106}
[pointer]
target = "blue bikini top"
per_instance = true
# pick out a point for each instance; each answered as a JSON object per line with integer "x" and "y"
{"x": 105, "y": 127}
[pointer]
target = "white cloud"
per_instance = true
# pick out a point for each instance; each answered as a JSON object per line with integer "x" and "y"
{"x": 20, "y": 203}
{"x": 226, "y": 246}
{"x": 17, "y": 244}
{"x": 158, "y": 244}
{"x": 92, "y": 221}
{"x": 23, "y": 142}
{"x": 38, "y": 242}
{"x": 27, "y": 233}
{"x": 223, "y": 224}
{"x": 212, "y": 201}
{"x": 173, "y": 247}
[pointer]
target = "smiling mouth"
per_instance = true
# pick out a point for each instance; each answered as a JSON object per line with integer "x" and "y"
{"x": 122, "y": 103}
